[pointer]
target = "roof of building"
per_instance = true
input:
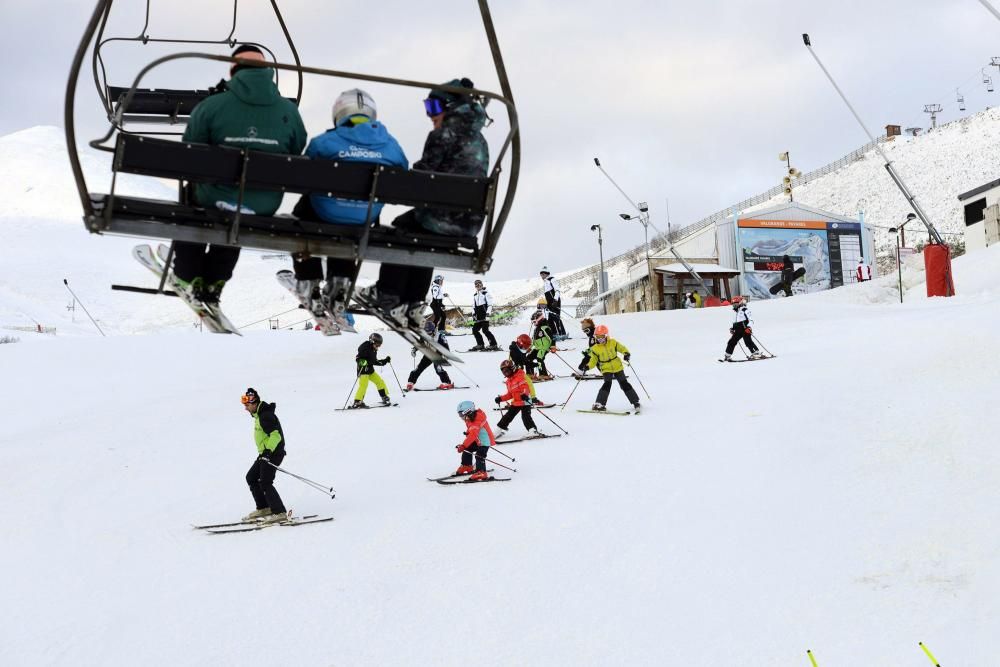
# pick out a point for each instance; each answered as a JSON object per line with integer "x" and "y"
{"x": 979, "y": 190}
{"x": 699, "y": 268}
{"x": 793, "y": 210}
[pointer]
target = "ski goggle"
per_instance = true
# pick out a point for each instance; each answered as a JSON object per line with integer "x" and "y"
{"x": 433, "y": 106}
{"x": 602, "y": 338}
{"x": 249, "y": 399}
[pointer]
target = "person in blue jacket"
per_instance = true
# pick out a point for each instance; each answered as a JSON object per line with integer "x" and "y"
{"x": 357, "y": 136}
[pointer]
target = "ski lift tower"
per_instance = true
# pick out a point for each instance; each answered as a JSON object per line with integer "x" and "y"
{"x": 933, "y": 110}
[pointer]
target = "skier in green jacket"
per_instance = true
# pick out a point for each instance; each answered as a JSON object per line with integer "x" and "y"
{"x": 270, "y": 441}
{"x": 250, "y": 113}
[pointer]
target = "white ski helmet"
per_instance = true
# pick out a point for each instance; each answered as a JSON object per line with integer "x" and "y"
{"x": 438, "y": 279}
{"x": 354, "y": 102}
{"x": 545, "y": 270}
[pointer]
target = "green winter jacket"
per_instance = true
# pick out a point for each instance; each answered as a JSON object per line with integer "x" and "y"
{"x": 251, "y": 114}
{"x": 267, "y": 429}
{"x": 605, "y": 356}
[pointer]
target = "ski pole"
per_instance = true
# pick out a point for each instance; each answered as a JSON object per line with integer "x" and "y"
{"x": 464, "y": 375}
{"x": 811, "y": 658}
{"x": 542, "y": 413}
{"x": 574, "y": 370}
{"x": 308, "y": 482}
{"x": 351, "y": 392}
{"x": 397, "y": 380}
{"x": 566, "y": 402}
{"x": 930, "y": 656}
{"x": 504, "y": 453}
{"x": 640, "y": 381}
{"x": 66, "y": 283}
{"x": 498, "y": 464}
{"x": 757, "y": 340}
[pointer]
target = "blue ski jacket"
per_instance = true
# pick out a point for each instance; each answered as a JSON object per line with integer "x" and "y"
{"x": 366, "y": 141}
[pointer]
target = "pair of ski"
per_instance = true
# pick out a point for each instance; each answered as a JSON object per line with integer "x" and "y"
{"x": 433, "y": 389}
{"x": 529, "y": 437}
{"x": 621, "y": 413}
{"x": 258, "y": 524}
{"x": 582, "y": 376}
{"x": 543, "y": 406}
{"x": 369, "y": 407}
{"x": 415, "y": 335}
{"x": 327, "y": 322}
{"x": 492, "y": 348}
{"x": 466, "y": 479}
{"x": 208, "y": 314}
{"x": 740, "y": 361}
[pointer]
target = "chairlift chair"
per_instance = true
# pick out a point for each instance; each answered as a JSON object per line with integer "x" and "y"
{"x": 142, "y": 153}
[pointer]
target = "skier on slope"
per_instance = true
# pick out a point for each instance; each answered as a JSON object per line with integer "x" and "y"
{"x": 541, "y": 344}
{"x": 270, "y": 441}
{"x": 587, "y": 326}
{"x": 604, "y": 356}
{"x": 430, "y": 328}
{"x": 482, "y": 307}
{"x": 741, "y": 329}
{"x": 437, "y": 301}
{"x": 478, "y": 439}
{"x": 519, "y": 390}
{"x": 520, "y": 352}
{"x": 367, "y": 359}
{"x": 553, "y": 301}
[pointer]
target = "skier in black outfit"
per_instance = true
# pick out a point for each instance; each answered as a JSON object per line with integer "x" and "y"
{"x": 588, "y": 327}
{"x": 430, "y": 327}
{"x": 366, "y": 360}
{"x": 553, "y": 303}
{"x": 522, "y": 353}
{"x": 437, "y": 302}
{"x": 270, "y": 441}
{"x": 741, "y": 330}
{"x": 482, "y": 305}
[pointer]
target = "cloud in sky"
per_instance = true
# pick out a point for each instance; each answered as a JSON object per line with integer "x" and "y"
{"x": 689, "y": 102}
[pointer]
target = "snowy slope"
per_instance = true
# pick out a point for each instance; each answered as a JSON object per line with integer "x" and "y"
{"x": 836, "y": 498}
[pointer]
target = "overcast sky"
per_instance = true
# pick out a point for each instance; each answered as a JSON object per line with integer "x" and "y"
{"x": 690, "y": 102}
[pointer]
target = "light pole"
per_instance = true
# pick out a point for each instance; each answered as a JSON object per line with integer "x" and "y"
{"x": 643, "y": 218}
{"x": 899, "y": 266}
{"x": 602, "y": 282}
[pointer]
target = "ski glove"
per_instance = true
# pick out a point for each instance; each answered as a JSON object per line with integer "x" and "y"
{"x": 731, "y": 331}
{"x": 748, "y": 330}
{"x": 460, "y": 448}
{"x": 385, "y": 361}
{"x": 526, "y": 398}
{"x": 498, "y": 400}
{"x": 626, "y": 356}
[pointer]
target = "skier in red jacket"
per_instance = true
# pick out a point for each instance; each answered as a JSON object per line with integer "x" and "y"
{"x": 478, "y": 440}
{"x": 519, "y": 392}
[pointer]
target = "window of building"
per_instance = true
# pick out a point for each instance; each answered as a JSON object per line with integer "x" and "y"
{"x": 975, "y": 211}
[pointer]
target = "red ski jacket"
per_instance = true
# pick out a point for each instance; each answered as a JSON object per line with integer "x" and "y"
{"x": 517, "y": 384}
{"x": 478, "y": 432}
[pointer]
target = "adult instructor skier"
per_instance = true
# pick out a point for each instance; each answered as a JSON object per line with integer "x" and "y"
{"x": 270, "y": 441}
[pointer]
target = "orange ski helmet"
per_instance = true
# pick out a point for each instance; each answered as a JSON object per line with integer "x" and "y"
{"x": 601, "y": 331}
{"x": 524, "y": 341}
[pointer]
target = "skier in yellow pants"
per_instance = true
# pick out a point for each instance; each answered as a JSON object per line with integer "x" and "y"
{"x": 367, "y": 359}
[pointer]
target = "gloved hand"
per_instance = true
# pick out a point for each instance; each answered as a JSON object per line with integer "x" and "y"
{"x": 459, "y": 448}
{"x": 498, "y": 400}
{"x": 748, "y": 330}
{"x": 626, "y": 356}
{"x": 266, "y": 455}
{"x": 731, "y": 331}
{"x": 526, "y": 398}
{"x": 446, "y": 295}
{"x": 386, "y": 360}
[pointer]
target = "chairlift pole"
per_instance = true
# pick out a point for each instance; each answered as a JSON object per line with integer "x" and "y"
{"x": 646, "y": 222}
{"x": 888, "y": 164}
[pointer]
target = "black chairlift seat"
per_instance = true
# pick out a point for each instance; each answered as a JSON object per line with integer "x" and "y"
{"x": 202, "y": 163}
{"x": 157, "y": 105}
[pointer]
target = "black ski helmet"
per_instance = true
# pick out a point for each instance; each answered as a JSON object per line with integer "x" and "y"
{"x": 538, "y": 317}
{"x": 375, "y": 339}
{"x": 507, "y": 367}
{"x": 438, "y": 279}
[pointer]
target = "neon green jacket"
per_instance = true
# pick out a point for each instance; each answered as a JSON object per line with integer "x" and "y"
{"x": 267, "y": 429}
{"x": 605, "y": 356}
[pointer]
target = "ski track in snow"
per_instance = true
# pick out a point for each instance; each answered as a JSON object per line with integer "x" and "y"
{"x": 836, "y": 498}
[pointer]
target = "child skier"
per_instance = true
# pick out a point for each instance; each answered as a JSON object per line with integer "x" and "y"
{"x": 604, "y": 356}
{"x": 482, "y": 306}
{"x": 367, "y": 360}
{"x": 741, "y": 330}
{"x": 478, "y": 439}
{"x": 270, "y": 440}
{"x": 437, "y": 301}
{"x": 541, "y": 344}
{"x": 520, "y": 353}
{"x": 430, "y": 328}
{"x": 519, "y": 391}
{"x": 587, "y": 326}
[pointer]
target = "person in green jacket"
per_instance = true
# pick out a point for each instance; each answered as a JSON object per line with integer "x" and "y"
{"x": 604, "y": 356}
{"x": 250, "y": 113}
{"x": 270, "y": 441}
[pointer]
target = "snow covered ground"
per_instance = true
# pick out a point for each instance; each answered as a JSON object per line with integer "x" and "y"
{"x": 837, "y": 498}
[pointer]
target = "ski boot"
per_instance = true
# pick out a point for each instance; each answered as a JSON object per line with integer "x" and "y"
{"x": 476, "y": 348}
{"x": 728, "y": 357}
{"x": 598, "y": 407}
{"x": 492, "y": 348}
{"x": 636, "y": 406}
{"x": 334, "y": 299}
{"x": 756, "y": 355}
{"x": 212, "y": 293}
{"x": 386, "y": 400}
{"x": 445, "y": 386}
{"x": 258, "y": 514}
{"x": 479, "y": 476}
{"x": 275, "y": 517}
{"x": 464, "y": 470}
{"x": 409, "y": 386}
{"x": 535, "y": 433}
{"x": 501, "y": 432}
{"x": 356, "y": 405}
